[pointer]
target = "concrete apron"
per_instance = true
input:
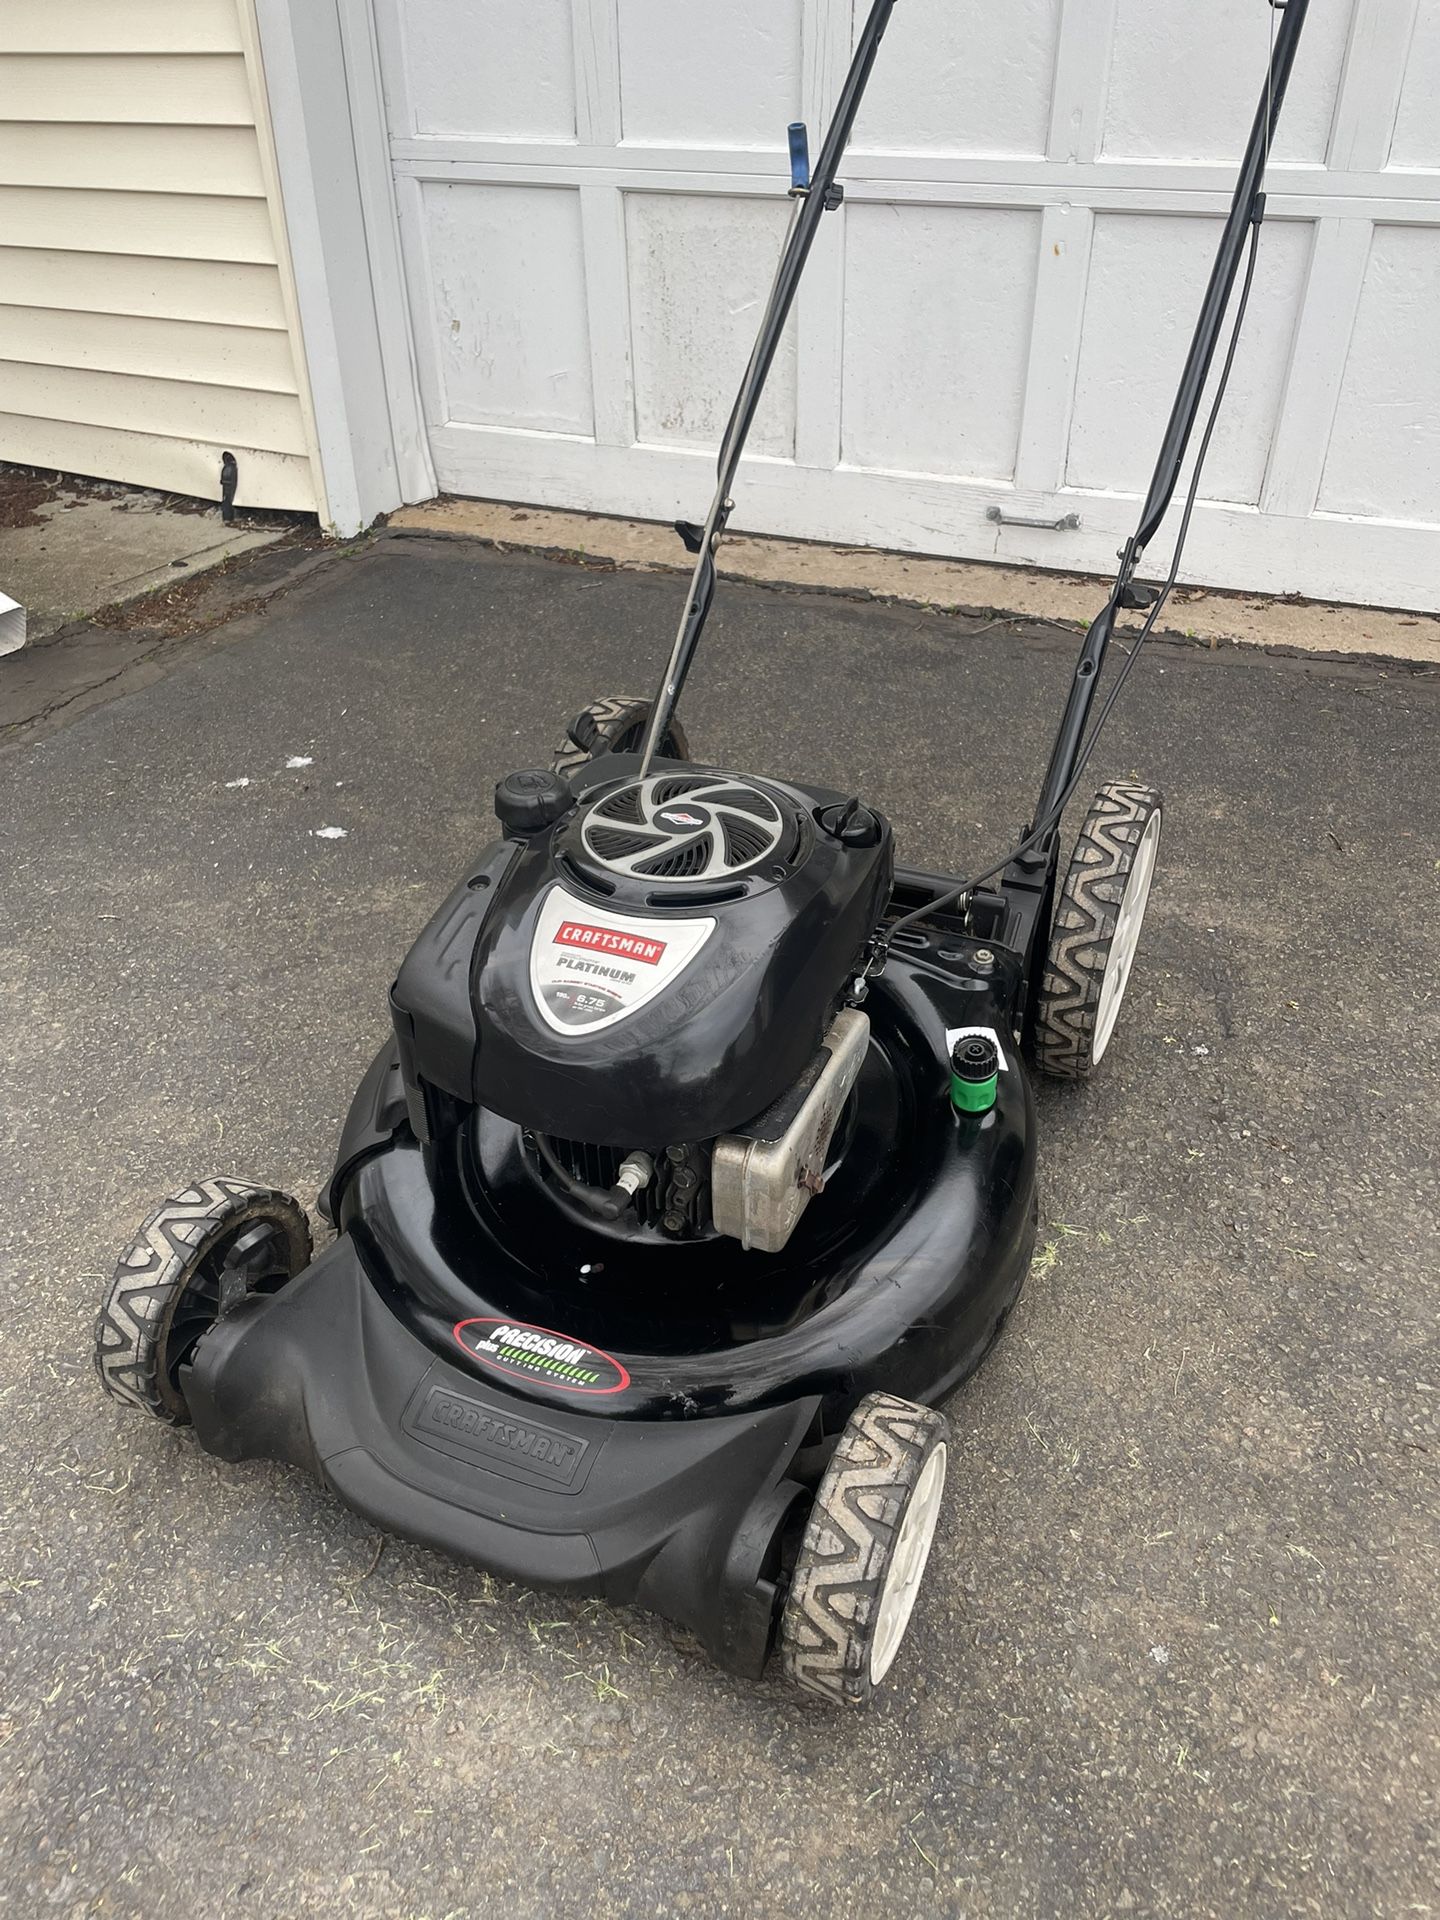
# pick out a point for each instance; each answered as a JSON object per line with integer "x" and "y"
{"x": 90, "y": 546}
{"x": 971, "y": 587}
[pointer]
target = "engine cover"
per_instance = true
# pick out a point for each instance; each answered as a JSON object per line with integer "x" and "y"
{"x": 661, "y": 965}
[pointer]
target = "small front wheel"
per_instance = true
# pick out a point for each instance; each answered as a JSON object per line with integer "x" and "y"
{"x": 1097, "y": 929}
{"x": 198, "y": 1254}
{"x": 864, "y": 1551}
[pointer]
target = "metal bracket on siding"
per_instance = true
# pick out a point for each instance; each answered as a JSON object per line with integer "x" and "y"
{"x": 1068, "y": 524}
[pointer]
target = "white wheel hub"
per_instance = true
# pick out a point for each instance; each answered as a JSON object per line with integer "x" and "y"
{"x": 1126, "y": 938}
{"x": 907, "y": 1564}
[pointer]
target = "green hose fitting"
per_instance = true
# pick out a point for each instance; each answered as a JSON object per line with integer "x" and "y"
{"x": 974, "y": 1074}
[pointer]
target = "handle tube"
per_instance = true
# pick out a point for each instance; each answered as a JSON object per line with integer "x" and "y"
{"x": 810, "y": 209}
{"x": 1228, "y": 255}
{"x": 1246, "y": 209}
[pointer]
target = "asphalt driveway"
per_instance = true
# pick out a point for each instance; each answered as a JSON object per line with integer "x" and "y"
{"x": 1177, "y": 1654}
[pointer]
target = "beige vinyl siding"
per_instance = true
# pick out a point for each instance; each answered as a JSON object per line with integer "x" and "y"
{"x": 181, "y": 226}
{"x": 161, "y": 289}
{"x": 144, "y": 325}
{"x": 163, "y": 89}
{"x": 121, "y": 26}
{"x": 139, "y": 159}
{"x": 253, "y": 358}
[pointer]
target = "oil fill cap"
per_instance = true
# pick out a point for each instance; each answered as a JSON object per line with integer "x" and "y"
{"x": 851, "y": 823}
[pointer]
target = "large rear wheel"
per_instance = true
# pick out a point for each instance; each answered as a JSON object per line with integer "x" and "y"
{"x": 1096, "y": 932}
{"x": 615, "y": 724}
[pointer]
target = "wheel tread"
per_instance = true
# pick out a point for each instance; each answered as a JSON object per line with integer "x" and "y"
{"x": 837, "y": 1582}
{"x": 152, "y": 1273}
{"x": 603, "y": 724}
{"x": 1084, "y": 926}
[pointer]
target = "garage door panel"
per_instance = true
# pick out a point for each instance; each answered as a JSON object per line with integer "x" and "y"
{"x": 1148, "y": 274}
{"x": 700, "y": 269}
{"x": 1417, "y": 124}
{"x": 1384, "y": 457}
{"x": 938, "y": 310}
{"x": 696, "y": 74}
{"x": 508, "y": 311}
{"x": 475, "y": 69}
{"x": 593, "y": 202}
{"x": 962, "y": 77}
{"x": 1183, "y": 79}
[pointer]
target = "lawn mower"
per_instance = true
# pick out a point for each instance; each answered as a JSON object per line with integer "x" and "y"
{"x": 698, "y": 1168}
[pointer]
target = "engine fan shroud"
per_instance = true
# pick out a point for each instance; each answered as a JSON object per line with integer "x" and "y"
{"x": 680, "y": 829}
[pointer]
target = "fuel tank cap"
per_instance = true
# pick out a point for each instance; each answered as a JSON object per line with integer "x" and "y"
{"x": 532, "y": 800}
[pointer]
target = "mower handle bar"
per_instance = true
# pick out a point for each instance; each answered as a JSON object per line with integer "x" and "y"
{"x": 1247, "y": 209}
{"x": 813, "y": 197}
{"x": 812, "y": 200}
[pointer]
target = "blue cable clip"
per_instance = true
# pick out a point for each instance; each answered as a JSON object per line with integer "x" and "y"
{"x": 799, "y": 158}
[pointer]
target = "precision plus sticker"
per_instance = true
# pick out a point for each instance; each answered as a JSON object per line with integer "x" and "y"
{"x": 590, "y": 968}
{"x": 540, "y": 1354}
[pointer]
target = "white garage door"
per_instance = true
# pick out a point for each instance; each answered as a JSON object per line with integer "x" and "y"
{"x": 591, "y": 203}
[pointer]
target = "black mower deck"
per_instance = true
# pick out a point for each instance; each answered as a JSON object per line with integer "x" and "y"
{"x": 469, "y": 1369}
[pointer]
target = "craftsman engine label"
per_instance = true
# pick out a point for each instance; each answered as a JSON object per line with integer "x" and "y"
{"x": 590, "y": 968}
{"x": 539, "y": 1354}
{"x": 628, "y": 946}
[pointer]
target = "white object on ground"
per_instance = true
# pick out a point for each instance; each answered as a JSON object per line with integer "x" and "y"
{"x": 300, "y": 760}
{"x": 327, "y": 833}
{"x": 243, "y": 781}
{"x": 12, "y": 624}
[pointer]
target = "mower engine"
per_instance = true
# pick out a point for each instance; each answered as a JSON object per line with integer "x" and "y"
{"x": 657, "y": 992}
{"x": 751, "y": 1185}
